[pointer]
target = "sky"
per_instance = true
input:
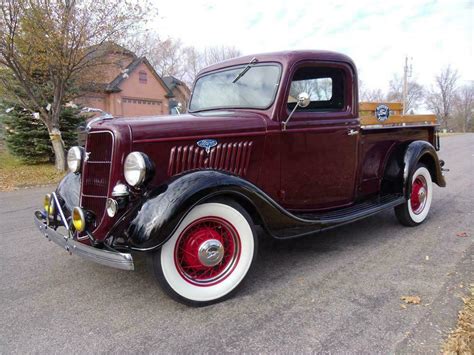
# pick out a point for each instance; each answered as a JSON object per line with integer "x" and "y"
{"x": 377, "y": 35}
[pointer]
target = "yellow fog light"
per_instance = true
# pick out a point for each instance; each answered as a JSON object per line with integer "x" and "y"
{"x": 78, "y": 219}
{"x": 48, "y": 204}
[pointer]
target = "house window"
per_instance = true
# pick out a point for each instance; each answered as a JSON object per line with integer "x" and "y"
{"x": 142, "y": 77}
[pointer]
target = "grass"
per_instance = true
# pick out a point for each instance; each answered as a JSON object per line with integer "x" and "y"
{"x": 461, "y": 339}
{"x": 14, "y": 173}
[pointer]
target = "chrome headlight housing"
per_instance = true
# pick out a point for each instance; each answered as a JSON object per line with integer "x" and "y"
{"x": 137, "y": 168}
{"x": 74, "y": 159}
{"x": 111, "y": 206}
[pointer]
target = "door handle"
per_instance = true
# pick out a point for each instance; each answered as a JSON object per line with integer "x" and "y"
{"x": 352, "y": 132}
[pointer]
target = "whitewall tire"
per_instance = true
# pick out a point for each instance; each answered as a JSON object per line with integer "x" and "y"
{"x": 209, "y": 254}
{"x": 416, "y": 209}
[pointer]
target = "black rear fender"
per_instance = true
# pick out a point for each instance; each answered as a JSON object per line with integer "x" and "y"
{"x": 402, "y": 164}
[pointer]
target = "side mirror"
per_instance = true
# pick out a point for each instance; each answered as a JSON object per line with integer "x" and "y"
{"x": 303, "y": 100}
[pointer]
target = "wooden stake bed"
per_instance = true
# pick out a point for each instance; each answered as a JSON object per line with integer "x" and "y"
{"x": 369, "y": 120}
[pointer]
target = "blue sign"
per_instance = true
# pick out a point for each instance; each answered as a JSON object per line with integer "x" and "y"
{"x": 207, "y": 144}
{"x": 382, "y": 112}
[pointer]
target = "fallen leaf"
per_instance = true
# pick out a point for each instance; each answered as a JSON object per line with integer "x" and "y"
{"x": 411, "y": 299}
{"x": 462, "y": 234}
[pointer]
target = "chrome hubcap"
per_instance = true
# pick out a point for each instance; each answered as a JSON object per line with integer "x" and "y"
{"x": 422, "y": 195}
{"x": 211, "y": 252}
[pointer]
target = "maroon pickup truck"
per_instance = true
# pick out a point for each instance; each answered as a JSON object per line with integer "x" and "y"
{"x": 274, "y": 140}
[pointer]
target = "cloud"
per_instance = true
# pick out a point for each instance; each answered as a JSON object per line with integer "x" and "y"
{"x": 376, "y": 35}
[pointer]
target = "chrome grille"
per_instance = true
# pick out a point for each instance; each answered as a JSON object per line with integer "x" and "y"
{"x": 96, "y": 173}
{"x": 232, "y": 157}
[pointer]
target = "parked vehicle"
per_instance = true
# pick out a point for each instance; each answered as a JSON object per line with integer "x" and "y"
{"x": 273, "y": 140}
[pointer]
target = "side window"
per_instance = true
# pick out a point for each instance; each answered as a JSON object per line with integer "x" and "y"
{"x": 142, "y": 77}
{"x": 325, "y": 87}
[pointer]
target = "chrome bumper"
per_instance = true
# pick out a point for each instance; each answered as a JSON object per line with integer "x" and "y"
{"x": 113, "y": 259}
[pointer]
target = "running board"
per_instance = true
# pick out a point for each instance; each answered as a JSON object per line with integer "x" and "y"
{"x": 354, "y": 212}
{"x": 305, "y": 223}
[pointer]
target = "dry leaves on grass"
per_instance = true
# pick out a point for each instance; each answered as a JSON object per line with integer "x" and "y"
{"x": 411, "y": 299}
{"x": 17, "y": 174}
{"x": 28, "y": 176}
{"x": 461, "y": 339}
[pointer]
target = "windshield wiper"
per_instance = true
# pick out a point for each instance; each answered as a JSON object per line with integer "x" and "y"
{"x": 246, "y": 69}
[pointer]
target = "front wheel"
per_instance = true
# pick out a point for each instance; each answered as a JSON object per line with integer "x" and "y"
{"x": 208, "y": 256}
{"x": 414, "y": 211}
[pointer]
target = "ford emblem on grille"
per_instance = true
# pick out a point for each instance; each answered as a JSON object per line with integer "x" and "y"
{"x": 207, "y": 144}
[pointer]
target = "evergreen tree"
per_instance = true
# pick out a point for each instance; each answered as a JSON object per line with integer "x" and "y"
{"x": 27, "y": 137}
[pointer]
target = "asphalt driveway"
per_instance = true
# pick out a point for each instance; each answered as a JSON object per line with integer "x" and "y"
{"x": 337, "y": 291}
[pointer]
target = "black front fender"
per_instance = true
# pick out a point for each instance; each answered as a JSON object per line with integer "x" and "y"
{"x": 421, "y": 152}
{"x": 160, "y": 214}
{"x": 69, "y": 189}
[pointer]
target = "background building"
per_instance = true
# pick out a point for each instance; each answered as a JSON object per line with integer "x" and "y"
{"x": 129, "y": 86}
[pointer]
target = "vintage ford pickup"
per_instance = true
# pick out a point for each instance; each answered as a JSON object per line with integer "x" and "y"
{"x": 274, "y": 140}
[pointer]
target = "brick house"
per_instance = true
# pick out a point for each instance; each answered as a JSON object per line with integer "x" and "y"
{"x": 130, "y": 86}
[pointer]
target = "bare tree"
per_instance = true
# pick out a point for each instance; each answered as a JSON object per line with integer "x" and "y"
{"x": 415, "y": 92}
{"x": 464, "y": 107}
{"x": 166, "y": 56}
{"x": 170, "y": 57}
{"x": 372, "y": 95}
{"x": 193, "y": 64}
{"x": 442, "y": 96}
{"x": 216, "y": 54}
{"x": 48, "y": 46}
{"x": 195, "y": 60}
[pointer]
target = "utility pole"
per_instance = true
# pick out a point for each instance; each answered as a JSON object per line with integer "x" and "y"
{"x": 407, "y": 71}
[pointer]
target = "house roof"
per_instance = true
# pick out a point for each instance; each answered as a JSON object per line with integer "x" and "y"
{"x": 114, "y": 85}
{"x": 173, "y": 82}
{"x": 106, "y": 48}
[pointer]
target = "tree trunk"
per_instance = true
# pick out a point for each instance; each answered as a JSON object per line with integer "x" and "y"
{"x": 58, "y": 148}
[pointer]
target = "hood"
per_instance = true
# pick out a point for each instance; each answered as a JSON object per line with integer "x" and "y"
{"x": 187, "y": 125}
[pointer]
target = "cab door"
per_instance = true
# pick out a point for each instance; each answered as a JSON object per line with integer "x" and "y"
{"x": 319, "y": 146}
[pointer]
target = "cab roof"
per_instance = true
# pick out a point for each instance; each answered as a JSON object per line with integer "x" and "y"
{"x": 286, "y": 58}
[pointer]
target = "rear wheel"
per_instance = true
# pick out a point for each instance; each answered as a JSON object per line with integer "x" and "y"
{"x": 415, "y": 210}
{"x": 208, "y": 256}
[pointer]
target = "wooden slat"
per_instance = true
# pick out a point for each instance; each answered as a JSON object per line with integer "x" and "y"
{"x": 371, "y": 106}
{"x": 398, "y": 119}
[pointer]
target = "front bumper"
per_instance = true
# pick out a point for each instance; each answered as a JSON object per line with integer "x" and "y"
{"x": 113, "y": 259}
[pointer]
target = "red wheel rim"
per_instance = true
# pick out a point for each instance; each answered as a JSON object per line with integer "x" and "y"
{"x": 419, "y": 194}
{"x": 207, "y": 251}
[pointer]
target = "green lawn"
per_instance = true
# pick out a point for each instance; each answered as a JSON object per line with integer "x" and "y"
{"x": 15, "y": 173}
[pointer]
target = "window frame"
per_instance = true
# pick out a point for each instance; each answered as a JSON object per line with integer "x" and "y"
{"x": 140, "y": 78}
{"x": 348, "y": 110}
{"x": 330, "y": 78}
{"x": 240, "y": 66}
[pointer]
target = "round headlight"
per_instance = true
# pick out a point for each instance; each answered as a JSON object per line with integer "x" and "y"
{"x": 135, "y": 168}
{"x": 74, "y": 159}
{"x": 111, "y": 206}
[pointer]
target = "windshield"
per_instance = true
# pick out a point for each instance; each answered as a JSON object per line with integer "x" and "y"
{"x": 255, "y": 89}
